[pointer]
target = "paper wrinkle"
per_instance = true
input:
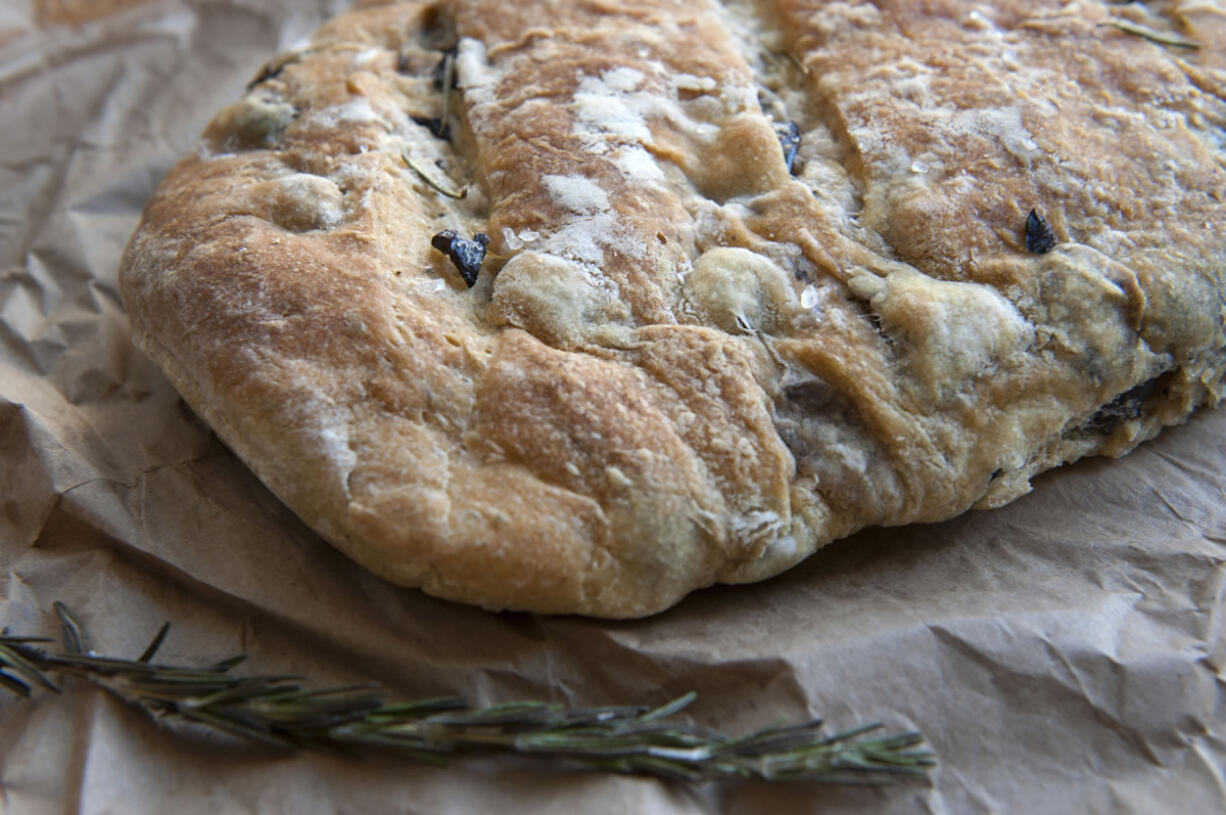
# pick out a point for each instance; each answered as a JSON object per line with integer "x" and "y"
{"x": 1063, "y": 654}
{"x": 1210, "y": 759}
{"x": 48, "y": 781}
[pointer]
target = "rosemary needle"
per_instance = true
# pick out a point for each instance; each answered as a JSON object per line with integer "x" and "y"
{"x": 1150, "y": 34}
{"x": 279, "y": 712}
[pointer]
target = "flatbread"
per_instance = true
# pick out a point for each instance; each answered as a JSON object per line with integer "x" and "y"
{"x": 756, "y": 276}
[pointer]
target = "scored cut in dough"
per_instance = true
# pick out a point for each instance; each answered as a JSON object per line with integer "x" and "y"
{"x": 685, "y": 361}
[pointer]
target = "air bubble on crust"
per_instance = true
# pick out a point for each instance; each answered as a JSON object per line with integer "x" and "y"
{"x": 299, "y": 202}
{"x": 562, "y": 302}
{"x": 256, "y": 121}
{"x": 739, "y": 290}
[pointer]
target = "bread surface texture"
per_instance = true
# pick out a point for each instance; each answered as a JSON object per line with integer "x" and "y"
{"x": 759, "y": 274}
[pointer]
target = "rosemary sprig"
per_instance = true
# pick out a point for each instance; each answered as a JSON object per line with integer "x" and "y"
{"x": 279, "y": 712}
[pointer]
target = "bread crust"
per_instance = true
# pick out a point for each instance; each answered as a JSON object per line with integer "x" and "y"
{"x": 685, "y": 361}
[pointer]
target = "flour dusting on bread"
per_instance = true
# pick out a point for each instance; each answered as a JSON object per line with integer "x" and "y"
{"x": 738, "y": 278}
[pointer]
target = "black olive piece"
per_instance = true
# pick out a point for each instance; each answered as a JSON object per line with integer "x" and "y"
{"x": 1127, "y": 405}
{"x": 789, "y": 140}
{"x": 466, "y": 254}
{"x": 1039, "y": 238}
{"x": 266, "y": 73}
{"x": 437, "y": 127}
{"x": 271, "y": 70}
{"x": 404, "y": 62}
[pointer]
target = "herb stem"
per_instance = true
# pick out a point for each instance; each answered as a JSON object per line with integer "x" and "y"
{"x": 276, "y": 711}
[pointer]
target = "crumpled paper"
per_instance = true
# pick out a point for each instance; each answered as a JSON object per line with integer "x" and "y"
{"x": 1063, "y": 654}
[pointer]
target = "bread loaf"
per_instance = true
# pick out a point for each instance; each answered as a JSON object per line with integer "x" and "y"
{"x": 581, "y": 306}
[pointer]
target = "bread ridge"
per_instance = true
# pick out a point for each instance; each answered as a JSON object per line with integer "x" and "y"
{"x": 649, "y": 390}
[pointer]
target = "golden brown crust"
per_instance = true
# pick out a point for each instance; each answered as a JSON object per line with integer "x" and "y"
{"x": 683, "y": 363}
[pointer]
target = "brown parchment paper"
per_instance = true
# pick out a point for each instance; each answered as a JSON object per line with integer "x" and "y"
{"x": 1063, "y": 654}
